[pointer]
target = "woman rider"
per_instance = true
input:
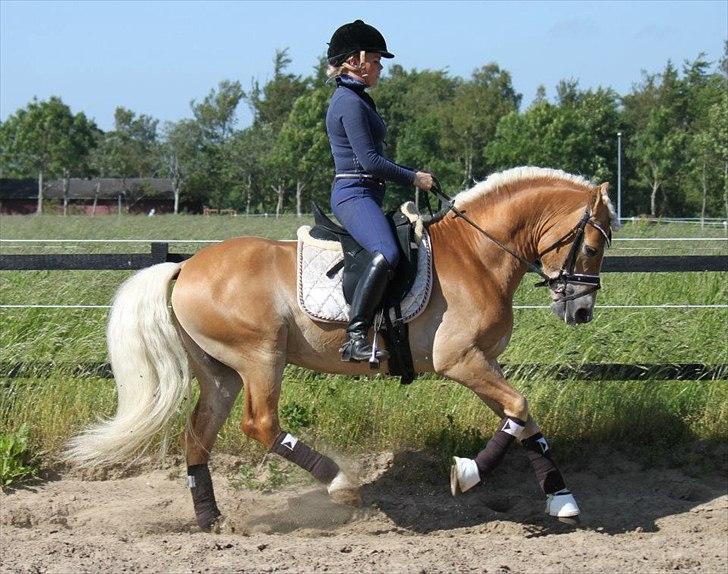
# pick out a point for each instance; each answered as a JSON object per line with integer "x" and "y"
{"x": 356, "y": 134}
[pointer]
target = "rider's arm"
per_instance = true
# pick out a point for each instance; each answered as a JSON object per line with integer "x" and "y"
{"x": 356, "y": 126}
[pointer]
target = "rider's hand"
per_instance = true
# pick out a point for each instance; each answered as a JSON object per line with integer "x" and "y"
{"x": 424, "y": 180}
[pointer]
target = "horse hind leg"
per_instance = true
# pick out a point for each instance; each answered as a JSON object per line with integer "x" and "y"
{"x": 219, "y": 387}
{"x": 260, "y": 422}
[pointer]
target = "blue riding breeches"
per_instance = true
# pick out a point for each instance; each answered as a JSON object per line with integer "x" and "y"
{"x": 357, "y": 204}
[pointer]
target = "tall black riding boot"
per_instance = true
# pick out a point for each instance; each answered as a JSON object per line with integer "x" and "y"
{"x": 367, "y": 296}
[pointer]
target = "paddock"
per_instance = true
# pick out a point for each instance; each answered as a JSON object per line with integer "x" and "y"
{"x": 661, "y": 506}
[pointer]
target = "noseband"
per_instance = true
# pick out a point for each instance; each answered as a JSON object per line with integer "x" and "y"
{"x": 565, "y": 275}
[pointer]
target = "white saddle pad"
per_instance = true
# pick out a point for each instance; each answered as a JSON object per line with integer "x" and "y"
{"x": 322, "y": 298}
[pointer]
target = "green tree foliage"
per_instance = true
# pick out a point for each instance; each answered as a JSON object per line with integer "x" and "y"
{"x": 181, "y": 155}
{"x": 130, "y": 150}
{"x": 271, "y": 105}
{"x": 45, "y": 139}
{"x": 272, "y": 102}
{"x": 576, "y": 134}
{"x": 215, "y": 118}
{"x": 216, "y": 113}
{"x": 410, "y": 103}
{"x": 246, "y": 168}
{"x": 303, "y": 147}
{"x": 470, "y": 119}
{"x": 701, "y": 179}
{"x": 674, "y": 162}
{"x": 674, "y": 125}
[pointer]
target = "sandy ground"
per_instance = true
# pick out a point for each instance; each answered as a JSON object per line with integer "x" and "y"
{"x": 635, "y": 519}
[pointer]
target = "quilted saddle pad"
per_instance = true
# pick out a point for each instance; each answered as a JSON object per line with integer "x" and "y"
{"x": 322, "y": 297}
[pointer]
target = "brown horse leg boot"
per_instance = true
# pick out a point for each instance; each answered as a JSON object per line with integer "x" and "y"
{"x": 203, "y": 496}
{"x": 367, "y": 296}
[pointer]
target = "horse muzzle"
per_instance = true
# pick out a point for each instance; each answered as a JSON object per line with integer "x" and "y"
{"x": 575, "y": 304}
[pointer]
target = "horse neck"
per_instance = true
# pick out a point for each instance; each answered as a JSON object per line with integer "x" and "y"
{"x": 519, "y": 220}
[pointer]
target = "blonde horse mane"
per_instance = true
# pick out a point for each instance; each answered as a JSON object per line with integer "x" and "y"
{"x": 512, "y": 178}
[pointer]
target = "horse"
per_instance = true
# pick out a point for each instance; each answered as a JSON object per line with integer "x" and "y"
{"x": 235, "y": 323}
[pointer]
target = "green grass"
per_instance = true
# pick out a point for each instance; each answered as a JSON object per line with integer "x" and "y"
{"x": 357, "y": 415}
{"x": 17, "y": 461}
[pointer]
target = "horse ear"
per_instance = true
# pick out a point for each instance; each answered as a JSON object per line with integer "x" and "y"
{"x": 602, "y": 196}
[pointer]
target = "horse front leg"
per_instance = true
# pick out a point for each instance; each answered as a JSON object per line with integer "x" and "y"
{"x": 485, "y": 378}
{"x": 260, "y": 422}
{"x": 559, "y": 500}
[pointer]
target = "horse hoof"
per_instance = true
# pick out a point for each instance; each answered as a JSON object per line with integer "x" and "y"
{"x": 562, "y": 505}
{"x": 213, "y": 524}
{"x": 570, "y": 520}
{"x": 342, "y": 490}
{"x": 464, "y": 475}
{"x": 346, "y": 497}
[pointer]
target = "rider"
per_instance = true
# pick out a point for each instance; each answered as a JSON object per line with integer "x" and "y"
{"x": 356, "y": 134}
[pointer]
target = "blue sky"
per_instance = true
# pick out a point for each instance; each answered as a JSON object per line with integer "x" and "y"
{"x": 154, "y": 57}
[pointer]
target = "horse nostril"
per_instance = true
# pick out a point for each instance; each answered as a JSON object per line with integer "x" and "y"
{"x": 582, "y": 315}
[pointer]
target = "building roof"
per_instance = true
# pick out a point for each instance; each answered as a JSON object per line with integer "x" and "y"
{"x": 79, "y": 188}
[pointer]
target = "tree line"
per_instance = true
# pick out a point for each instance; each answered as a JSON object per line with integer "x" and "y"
{"x": 674, "y": 126}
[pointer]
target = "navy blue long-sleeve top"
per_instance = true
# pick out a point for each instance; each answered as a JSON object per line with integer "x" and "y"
{"x": 357, "y": 132}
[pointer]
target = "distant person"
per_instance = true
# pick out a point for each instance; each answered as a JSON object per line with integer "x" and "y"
{"x": 356, "y": 134}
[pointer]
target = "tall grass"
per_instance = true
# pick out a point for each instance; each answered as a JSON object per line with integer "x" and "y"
{"x": 355, "y": 415}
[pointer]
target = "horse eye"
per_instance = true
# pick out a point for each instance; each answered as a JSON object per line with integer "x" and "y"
{"x": 590, "y": 251}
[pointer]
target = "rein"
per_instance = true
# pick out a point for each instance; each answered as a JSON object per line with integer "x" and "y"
{"x": 566, "y": 275}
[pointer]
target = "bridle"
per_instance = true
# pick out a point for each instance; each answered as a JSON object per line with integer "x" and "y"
{"x": 565, "y": 275}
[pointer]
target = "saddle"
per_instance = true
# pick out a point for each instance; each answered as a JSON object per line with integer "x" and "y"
{"x": 357, "y": 259}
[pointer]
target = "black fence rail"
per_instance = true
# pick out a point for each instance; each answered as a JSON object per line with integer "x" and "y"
{"x": 159, "y": 253}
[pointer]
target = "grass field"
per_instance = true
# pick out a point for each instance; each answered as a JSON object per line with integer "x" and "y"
{"x": 359, "y": 415}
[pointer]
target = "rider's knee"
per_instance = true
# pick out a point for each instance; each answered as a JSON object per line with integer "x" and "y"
{"x": 391, "y": 254}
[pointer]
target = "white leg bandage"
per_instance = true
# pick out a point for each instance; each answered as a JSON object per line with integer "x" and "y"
{"x": 513, "y": 428}
{"x": 562, "y": 505}
{"x": 464, "y": 475}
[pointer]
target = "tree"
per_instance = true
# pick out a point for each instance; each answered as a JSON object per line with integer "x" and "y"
{"x": 655, "y": 150}
{"x": 216, "y": 113}
{"x": 82, "y": 139}
{"x": 183, "y": 141}
{"x": 245, "y": 166}
{"x": 470, "y": 120}
{"x": 44, "y": 139}
{"x": 303, "y": 146}
{"x": 658, "y": 119}
{"x": 272, "y": 103}
{"x": 271, "y": 106}
{"x": 702, "y": 175}
{"x": 411, "y": 102}
{"x": 577, "y": 135}
{"x": 130, "y": 150}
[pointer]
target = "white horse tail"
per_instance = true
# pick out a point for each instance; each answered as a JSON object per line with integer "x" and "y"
{"x": 150, "y": 367}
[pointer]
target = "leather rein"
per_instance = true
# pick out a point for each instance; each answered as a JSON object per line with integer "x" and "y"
{"x": 565, "y": 275}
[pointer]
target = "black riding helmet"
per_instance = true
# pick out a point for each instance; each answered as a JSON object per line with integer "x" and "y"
{"x": 354, "y": 37}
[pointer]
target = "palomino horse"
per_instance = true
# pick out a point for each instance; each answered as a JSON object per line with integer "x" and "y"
{"x": 235, "y": 320}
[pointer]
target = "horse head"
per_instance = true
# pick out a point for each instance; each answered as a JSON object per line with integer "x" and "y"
{"x": 574, "y": 260}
